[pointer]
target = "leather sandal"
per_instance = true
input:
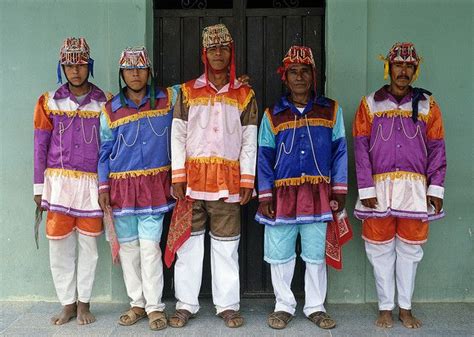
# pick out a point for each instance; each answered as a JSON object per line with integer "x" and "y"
{"x": 180, "y": 318}
{"x": 157, "y": 320}
{"x": 232, "y": 318}
{"x": 133, "y": 314}
{"x": 279, "y": 319}
{"x": 322, "y": 320}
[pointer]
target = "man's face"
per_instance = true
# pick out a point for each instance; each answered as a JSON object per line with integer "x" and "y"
{"x": 136, "y": 79}
{"x": 299, "y": 78}
{"x": 401, "y": 73}
{"x": 76, "y": 74}
{"x": 218, "y": 57}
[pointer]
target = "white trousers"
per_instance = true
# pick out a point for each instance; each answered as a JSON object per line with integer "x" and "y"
{"x": 315, "y": 287}
{"x": 143, "y": 274}
{"x": 224, "y": 271}
{"x": 394, "y": 263}
{"x": 73, "y": 272}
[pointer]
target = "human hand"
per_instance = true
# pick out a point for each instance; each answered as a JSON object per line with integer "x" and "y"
{"x": 370, "y": 202}
{"x": 266, "y": 207}
{"x": 436, "y": 202}
{"x": 104, "y": 201}
{"x": 179, "y": 191}
{"x": 245, "y": 195}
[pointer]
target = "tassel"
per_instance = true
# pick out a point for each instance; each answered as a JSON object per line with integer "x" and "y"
{"x": 152, "y": 93}
{"x": 58, "y": 71}
{"x": 122, "y": 97}
{"x": 91, "y": 67}
{"x": 232, "y": 67}
{"x": 386, "y": 67}
{"x": 417, "y": 71}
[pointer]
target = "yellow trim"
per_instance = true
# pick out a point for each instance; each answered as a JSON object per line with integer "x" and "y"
{"x": 396, "y": 113}
{"x": 72, "y": 113}
{"x": 137, "y": 116}
{"x": 247, "y": 100}
{"x": 212, "y": 160}
{"x": 45, "y": 103}
{"x": 57, "y": 172}
{"x": 366, "y": 105}
{"x": 301, "y": 180}
{"x": 138, "y": 173}
{"x": 302, "y": 122}
{"x": 185, "y": 91}
{"x": 399, "y": 175}
{"x": 269, "y": 117}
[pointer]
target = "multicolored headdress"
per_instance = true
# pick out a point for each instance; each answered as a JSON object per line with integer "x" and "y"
{"x": 136, "y": 58}
{"x": 401, "y": 52}
{"x": 74, "y": 51}
{"x": 213, "y": 36}
{"x": 298, "y": 55}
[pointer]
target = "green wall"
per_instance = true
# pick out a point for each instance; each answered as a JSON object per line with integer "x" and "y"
{"x": 356, "y": 32}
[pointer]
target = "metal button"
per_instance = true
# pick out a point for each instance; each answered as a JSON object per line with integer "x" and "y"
{"x": 302, "y": 135}
{"x": 397, "y": 169}
{"x": 144, "y": 143}
{"x": 398, "y": 145}
{"x": 399, "y": 128}
{"x": 303, "y": 174}
{"x": 76, "y": 146}
{"x": 302, "y": 151}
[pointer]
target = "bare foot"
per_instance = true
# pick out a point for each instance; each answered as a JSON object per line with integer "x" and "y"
{"x": 408, "y": 320}
{"x": 84, "y": 316}
{"x": 385, "y": 319}
{"x": 69, "y": 312}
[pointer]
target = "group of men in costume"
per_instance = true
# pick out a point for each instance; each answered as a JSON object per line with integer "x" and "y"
{"x": 137, "y": 154}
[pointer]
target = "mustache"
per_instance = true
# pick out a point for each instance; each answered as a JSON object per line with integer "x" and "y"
{"x": 402, "y": 77}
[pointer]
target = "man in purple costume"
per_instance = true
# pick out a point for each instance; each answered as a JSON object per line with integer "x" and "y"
{"x": 401, "y": 165}
{"x": 66, "y": 152}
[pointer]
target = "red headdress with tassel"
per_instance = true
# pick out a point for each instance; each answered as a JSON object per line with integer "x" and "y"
{"x": 213, "y": 36}
{"x": 298, "y": 55}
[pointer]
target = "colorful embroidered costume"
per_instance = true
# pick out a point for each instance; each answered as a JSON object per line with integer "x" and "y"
{"x": 401, "y": 161}
{"x": 214, "y": 148}
{"x": 302, "y": 161}
{"x": 135, "y": 154}
{"x": 134, "y": 168}
{"x": 66, "y": 152}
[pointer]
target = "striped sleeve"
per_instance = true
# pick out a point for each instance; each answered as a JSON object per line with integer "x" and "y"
{"x": 339, "y": 155}
{"x": 266, "y": 160}
{"x": 248, "y": 153}
{"x": 43, "y": 127}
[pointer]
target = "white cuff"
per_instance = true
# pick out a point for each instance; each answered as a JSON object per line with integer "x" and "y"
{"x": 366, "y": 193}
{"x": 435, "y": 191}
{"x": 38, "y": 189}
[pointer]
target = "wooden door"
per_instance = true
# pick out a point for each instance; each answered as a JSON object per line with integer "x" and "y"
{"x": 262, "y": 36}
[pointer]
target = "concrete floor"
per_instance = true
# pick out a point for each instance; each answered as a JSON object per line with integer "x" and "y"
{"x": 354, "y": 320}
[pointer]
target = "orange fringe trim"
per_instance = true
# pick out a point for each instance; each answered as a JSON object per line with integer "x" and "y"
{"x": 57, "y": 172}
{"x": 301, "y": 180}
{"x": 399, "y": 175}
{"x": 212, "y": 99}
{"x": 212, "y": 160}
